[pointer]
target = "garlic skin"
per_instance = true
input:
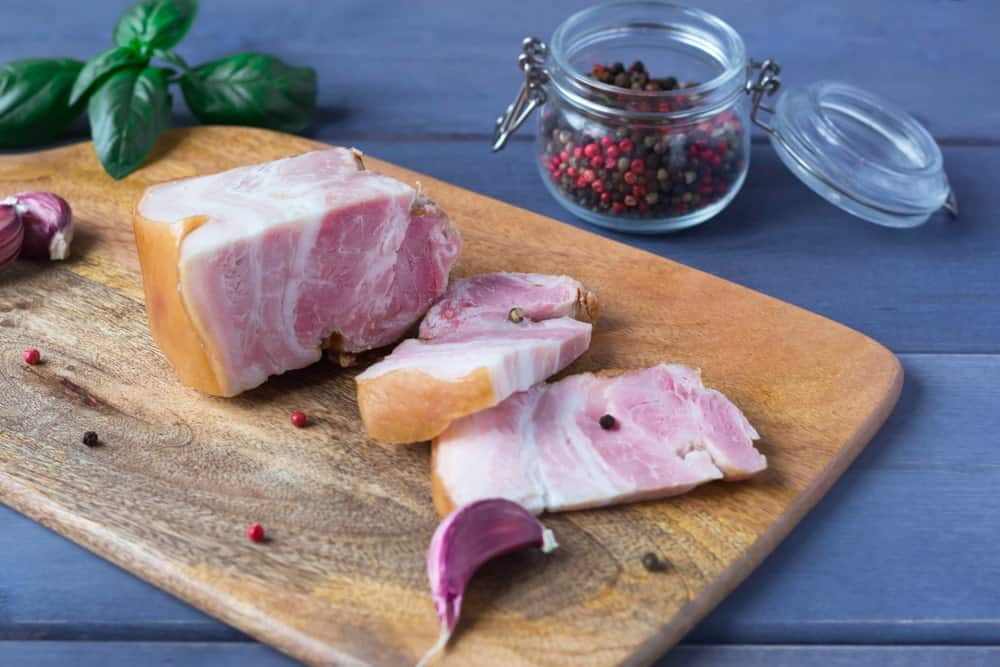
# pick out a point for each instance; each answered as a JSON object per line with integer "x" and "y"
{"x": 11, "y": 235}
{"x": 48, "y": 224}
{"x": 466, "y": 539}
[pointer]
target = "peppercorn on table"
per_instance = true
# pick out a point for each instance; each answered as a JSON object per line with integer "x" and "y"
{"x": 896, "y": 564}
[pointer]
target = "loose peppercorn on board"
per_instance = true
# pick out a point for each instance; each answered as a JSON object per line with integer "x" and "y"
{"x": 340, "y": 579}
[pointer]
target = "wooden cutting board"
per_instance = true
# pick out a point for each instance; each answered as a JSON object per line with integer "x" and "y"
{"x": 341, "y": 581}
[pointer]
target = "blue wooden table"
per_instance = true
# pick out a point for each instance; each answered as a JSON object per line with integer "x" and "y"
{"x": 900, "y": 563}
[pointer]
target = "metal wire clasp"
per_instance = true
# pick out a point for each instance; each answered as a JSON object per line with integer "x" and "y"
{"x": 531, "y": 95}
{"x": 766, "y": 84}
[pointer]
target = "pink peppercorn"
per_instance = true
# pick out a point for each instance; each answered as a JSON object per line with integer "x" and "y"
{"x": 596, "y": 162}
{"x": 578, "y": 152}
{"x": 571, "y": 172}
{"x": 617, "y": 207}
{"x": 298, "y": 418}
{"x": 610, "y": 163}
{"x": 613, "y": 152}
{"x": 626, "y": 145}
{"x": 605, "y": 197}
{"x": 591, "y": 149}
{"x": 597, "y": 186}
{"x": 637, "y": 166}
{"x": 607, "y": 141}
{"x": 255, "y": 532}
{"x": 32, "y": 356}
{"x": 588, "y": 175}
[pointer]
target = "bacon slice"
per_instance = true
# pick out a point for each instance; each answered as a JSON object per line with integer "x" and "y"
{"x": 471, "y": 355}
{"x": 546, "y": 449}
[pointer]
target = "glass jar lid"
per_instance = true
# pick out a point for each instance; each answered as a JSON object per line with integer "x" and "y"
{"x": 856, "y": 150}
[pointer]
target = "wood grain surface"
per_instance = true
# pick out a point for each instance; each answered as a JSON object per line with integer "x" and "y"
{"x": 341, "y": 580}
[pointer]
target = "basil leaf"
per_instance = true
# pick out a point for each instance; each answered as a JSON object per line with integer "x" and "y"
{"x": 128, "y": 112}
{"x": 34, "y": 99}
{"x": 171, "y": 58}
{"x": 251, "y": 89}
{"x": 159, "y": 24}
{"x": 100, "y": 66}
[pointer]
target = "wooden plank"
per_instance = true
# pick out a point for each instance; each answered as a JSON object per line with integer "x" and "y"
{"x": 343, "y": 579}
{"x": 874, "y": 532}
{"x": 434, "y": 68}
{"x": 170, "y": 654}
{"x": 832, "y": 656}
{"x": 148, "y": 654}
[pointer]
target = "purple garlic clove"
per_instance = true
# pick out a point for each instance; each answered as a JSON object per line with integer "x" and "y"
{"x": 11, "y": 235}
{"x": 48, "y": 224}
{"x": 467, "y": 538}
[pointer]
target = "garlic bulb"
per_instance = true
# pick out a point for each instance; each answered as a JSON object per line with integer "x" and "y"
{"x": 11, "y": 235}
{"x": 48, "y": 224}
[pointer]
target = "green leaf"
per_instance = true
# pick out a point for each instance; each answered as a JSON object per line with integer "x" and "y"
{"x": 159, "y": 24}
{"x": 100, "y": 66}
{"x": 172, "y": 58}
{"x": 252, "y": 89}
{"x": 34, "y": 99}
{"x": 128, "y": 112}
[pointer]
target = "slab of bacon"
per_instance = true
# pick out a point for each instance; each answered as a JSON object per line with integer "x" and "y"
{"x": 252, "y": 272}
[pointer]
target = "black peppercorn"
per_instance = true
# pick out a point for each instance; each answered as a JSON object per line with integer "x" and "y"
{"x": 607, "y": 422}
{"x": 90, "y": 439}
{"x": 653, "y": 563}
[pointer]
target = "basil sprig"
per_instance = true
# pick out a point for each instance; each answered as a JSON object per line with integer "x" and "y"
{"x": 127, "y": 95}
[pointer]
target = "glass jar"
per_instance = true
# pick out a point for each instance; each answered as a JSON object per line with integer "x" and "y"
{"x": 645, "y": 114}
{"x": 635, "y": 159}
